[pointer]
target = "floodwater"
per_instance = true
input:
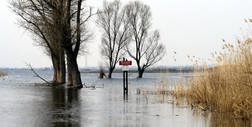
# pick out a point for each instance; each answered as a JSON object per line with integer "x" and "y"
{"x": 25, "y": 104}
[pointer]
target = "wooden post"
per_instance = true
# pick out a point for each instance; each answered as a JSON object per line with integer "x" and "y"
{"x": 125, "y": 82}
{"x": 125, "y": 63}
{"x": 123, "y": 79}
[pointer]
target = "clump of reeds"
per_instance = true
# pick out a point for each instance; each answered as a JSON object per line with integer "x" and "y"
{"x": 227, "y": 86}
{"x": 179, "y": 92}
{"x": 2, "y": 74}
{"x": 163, "y": 87}
{"x": 179, "y": 88}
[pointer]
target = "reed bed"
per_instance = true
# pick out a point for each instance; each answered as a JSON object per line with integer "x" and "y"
{"x": 227, "y": 86}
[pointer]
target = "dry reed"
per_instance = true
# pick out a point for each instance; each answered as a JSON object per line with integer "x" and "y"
{"x": 227, "y": 86}
{"x": 179, "y": 88}
{"x": 163, "y": 87}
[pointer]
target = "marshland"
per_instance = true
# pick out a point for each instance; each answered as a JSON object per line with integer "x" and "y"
{"x": 226, "y": 87}
{"x": 64, "y": 63}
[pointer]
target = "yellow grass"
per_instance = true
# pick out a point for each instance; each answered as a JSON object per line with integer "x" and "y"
{"x": 162, "y": 87}
{"x": 227, "y": 87}
{"x": 179, "y": 89}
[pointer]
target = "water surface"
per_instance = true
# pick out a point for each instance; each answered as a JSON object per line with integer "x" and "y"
{"x": 22, "y": 103}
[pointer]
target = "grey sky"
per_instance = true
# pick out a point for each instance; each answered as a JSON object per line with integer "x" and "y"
{"x": 189, "y": 27}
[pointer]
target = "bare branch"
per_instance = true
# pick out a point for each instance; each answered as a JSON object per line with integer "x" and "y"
{"x": 29, "y": 65}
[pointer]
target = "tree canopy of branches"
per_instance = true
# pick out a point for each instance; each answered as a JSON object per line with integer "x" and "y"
{"x": 59, "y": 26}
{"x": 36, "y": 18}
{"x": 115, "y": 32}
{"x": 145, "y": 48}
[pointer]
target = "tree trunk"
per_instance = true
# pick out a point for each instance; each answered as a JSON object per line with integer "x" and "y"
{"x": 111, "y": 69}
{"x": 74, "y": 79}
{"x": 62, "y": 67}
{"x": 55, "y": 74}
{"x": 140, "y": 70}
{"x": 54, "y": 62}
{"x": 76, "y": 75}
{"x": 140, "y": 73}
{"x": 69, "y": 73}
{"x": 59, "y": 68}
{"x": 110, "y": 75}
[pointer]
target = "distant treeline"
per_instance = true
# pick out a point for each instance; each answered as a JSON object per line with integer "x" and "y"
{"x": 150, "y": 70}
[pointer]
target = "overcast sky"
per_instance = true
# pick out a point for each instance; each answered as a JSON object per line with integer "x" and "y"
{"x": 189, "y": 27}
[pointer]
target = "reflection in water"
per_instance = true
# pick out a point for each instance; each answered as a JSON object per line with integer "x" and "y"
{"x": 65, "y": 107}
{"x": 226, "y": 120}
{"x": 123, "y": 110}
{"x": 125, "y": 97}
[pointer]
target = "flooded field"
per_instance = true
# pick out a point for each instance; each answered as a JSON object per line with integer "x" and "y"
{"x": 23, "y": 103}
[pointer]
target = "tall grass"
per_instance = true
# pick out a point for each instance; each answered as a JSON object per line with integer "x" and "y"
{"x": 227, "y": 86}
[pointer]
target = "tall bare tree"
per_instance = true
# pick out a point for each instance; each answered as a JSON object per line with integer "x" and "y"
{"x": 145, "y": 48}
{"x": 115, "y": 32}
{"x": 75, "y": 35}
{"x": 61, "y": 22}
{"x": 72, "y": 21}
{"x": 35, "y": 18}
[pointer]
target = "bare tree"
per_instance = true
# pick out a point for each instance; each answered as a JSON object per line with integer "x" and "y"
{"x": 145, "y": 48}
{"x": 115, "y": 32}
{"x": 75, "y": 35}
{"x": 60, "y": 24}
{"x": 36, "y": 18}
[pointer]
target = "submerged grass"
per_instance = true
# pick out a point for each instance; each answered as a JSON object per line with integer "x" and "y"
{"x": 163, "y": 87}
{"x": 227, "y": 86}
